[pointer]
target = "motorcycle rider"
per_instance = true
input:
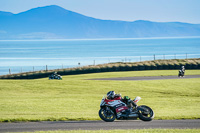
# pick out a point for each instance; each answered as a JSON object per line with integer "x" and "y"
{"x": 131, "y": 105}
{"x": 112, "y": 96}
{"x": 182, "y": 71}
{"x": 54, "y": 75}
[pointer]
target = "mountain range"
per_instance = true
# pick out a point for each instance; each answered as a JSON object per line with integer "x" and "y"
{"x": 54, "y": 22}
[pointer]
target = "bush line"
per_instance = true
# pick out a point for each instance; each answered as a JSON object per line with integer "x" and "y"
{"x": 173, "y": 64}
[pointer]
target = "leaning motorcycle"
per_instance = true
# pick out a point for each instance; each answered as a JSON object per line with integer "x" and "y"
{"x": 59, "y": 77}
{"x": 116, "y": 109}
{"x": 180, "y": 73}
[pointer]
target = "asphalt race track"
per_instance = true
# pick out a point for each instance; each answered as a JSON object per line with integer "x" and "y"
{"x": 98, "y": 125}
{"x": 150, "y": 78}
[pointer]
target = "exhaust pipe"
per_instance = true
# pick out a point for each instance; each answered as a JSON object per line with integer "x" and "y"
{"x": 133, "y": 115}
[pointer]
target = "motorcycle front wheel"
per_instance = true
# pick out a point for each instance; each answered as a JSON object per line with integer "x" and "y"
{"x": 146, "y": 113}
{"x": 107, "y": 115}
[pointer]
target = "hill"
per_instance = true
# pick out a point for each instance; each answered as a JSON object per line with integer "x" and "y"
{"x": 54, "y": 22}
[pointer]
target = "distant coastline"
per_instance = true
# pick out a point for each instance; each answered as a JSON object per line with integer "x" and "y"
{"x": 29, "y": 55}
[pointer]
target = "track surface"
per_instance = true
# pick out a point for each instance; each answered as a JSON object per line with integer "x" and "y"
{"x": 150, "y": 78}
{"x": 97, "y": 125}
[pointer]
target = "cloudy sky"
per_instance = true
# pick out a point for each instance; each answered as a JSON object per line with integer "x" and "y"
{"x": 126, "y": 10}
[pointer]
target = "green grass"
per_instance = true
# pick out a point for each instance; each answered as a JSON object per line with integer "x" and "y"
{"x": 75, "y": 98}
{"x": 126, "y": 131}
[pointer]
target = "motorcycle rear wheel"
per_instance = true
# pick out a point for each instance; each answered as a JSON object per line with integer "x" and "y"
{"x": 107, "y": 115}
{"x": 146, "y": 114}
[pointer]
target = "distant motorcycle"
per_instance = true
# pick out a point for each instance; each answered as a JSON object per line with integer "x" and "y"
{"x": 53, "y": 76}
{"x": 116, "y": 109}
{"x": 181, "y": 73}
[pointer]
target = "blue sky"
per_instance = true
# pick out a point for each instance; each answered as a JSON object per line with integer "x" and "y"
{"x": 127, "y": 10}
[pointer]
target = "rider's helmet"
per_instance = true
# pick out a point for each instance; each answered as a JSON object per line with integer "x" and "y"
{"x": 182, "y": 66}
{"x": 111, "y": 94}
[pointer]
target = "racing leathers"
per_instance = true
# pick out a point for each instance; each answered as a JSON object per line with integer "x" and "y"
{"x": 125, "y": 100}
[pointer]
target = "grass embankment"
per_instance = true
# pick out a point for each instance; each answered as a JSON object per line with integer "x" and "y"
{"x": 75, "y": 98}
{"x": 126, "y": 131}
{"x": 112, "y": 67}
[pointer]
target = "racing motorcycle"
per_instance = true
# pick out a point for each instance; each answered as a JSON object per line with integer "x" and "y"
{"x": 59, "y": 77}
{"x": 180, "y": 73}
{"x": 116, "y": 109}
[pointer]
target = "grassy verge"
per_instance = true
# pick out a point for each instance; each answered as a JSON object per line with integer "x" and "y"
{"x": 75, "y": 98}
{"x": 126, "y": 131}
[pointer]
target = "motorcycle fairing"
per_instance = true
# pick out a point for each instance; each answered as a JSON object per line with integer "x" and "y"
{"x": 121, "y": 109}
{"x": 118, "y": 105}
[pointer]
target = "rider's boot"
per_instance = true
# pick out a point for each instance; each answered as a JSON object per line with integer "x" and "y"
{"x": 127, "y": 113}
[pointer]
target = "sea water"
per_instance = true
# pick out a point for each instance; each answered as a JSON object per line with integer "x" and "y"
{"x": 32, "y": 55}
